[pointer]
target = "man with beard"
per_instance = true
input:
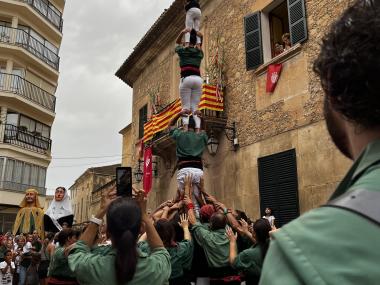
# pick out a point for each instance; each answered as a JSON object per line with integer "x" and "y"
{"x": 30, "y": 217}
{"x": 339, "y": 242}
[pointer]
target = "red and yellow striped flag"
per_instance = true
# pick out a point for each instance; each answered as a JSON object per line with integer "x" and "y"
{"x": 211, "y": 99}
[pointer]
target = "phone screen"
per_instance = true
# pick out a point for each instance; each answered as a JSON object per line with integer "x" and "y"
{"x": 124, "y": 181}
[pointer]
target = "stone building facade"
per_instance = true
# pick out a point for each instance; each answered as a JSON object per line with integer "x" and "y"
{"x": 83, "y": 188}
{"x": 270, "y": 126}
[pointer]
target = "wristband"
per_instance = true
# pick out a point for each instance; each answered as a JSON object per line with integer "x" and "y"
{"x": 226, "y": 211}
{"x": 96, "y": 221}
{"x": 190, "y": 206}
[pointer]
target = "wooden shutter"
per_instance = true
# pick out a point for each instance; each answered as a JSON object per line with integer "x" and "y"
{"x": 143, "y": 117}
{"x": 278, "y": 186}
{"x": 253, "y": 45}
{"x": 297, "y": 21}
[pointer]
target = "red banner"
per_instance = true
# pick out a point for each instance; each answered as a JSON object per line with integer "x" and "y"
{"x": 274, "y": 72}
{"x": 148, "y": 170}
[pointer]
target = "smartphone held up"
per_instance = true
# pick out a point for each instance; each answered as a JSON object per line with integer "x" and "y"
{"x": 124, "y": 181}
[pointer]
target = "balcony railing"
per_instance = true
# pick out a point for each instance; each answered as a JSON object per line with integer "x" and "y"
{"x": 48, "y": 11}
{"x": 18, "y": 136}
{"x": 23, "y": 39}
{"x": 16, "y": 84}
{"x": 214, "y": 121}
{"x": 19, "y": 187}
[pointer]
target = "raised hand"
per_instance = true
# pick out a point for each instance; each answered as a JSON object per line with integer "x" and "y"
{"x": 184, "y": 221}
{"x": 231, "y": 235}
{"x": 107, "y": 199}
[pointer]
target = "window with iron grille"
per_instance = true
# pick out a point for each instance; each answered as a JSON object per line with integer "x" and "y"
{"x": 264, "y": 30}
{"x": 278, "y": 186}
{"x": 143, "y": 118}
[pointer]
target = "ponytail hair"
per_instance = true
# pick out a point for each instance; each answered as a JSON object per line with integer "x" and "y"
{"x": 262, "y": 228}
{"x": 123, "y": 226}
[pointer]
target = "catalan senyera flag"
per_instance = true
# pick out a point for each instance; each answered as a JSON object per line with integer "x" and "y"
{"x": 212, "y": 99}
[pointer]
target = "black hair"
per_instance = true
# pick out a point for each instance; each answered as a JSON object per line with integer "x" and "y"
{"x": 178, "y": 231}
{"x": 349, "y": 64}
{"x": 123, "y": 227}
{"x": 193, "y": 37}
{"x": 218, "y": 221}
{"x": 241, "y": 215}
{"x": 6, "y": 252}
{"x": 50, "y": 236}
{"x": 191, "y": 122}
{"x": 64, "y": 235}
{"x": 262, "y": 228}
{"x": 165, "y": 230}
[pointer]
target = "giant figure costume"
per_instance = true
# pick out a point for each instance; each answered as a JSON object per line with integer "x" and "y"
{"x": 31, "y": 215}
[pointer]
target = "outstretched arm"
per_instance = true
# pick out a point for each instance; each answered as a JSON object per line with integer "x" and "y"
{"x": 180, "y": 36}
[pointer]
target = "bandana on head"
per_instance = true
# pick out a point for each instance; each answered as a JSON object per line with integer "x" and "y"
{"x": 207, "y": 211}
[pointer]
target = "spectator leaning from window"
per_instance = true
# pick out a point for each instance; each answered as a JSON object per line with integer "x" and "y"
{"x": 250, "y": 261}
{"x": 339, "y": 242}
{"x": 125, "y": 264}
{"x": 59, "y": 271}
{"x": 286, "y": 40}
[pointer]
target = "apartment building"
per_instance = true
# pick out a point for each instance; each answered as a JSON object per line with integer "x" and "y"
{"x": 30, "y": 38}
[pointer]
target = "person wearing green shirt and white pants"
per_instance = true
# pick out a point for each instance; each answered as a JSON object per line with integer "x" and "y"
{"x": 339, "y": 242}
{"x": 189, "y": 149}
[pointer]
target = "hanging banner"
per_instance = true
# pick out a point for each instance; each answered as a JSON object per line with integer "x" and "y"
{"x": 274, "y": 72}
{"x": 148, "y": 170}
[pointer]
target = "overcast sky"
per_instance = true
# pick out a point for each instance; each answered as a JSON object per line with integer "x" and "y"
{"x": 93, "y": 105}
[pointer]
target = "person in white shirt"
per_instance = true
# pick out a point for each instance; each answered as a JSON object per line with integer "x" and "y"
{"x": 7, "y": 269}
{"x": 269, "y": 217}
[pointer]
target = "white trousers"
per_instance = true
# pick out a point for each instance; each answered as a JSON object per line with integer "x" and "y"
{"x": 196, "y": 179}
{"x": 193, "y": 21}
{"x": 190, "y": 89}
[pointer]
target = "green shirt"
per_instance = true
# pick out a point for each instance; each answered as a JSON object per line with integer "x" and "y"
{"x": 99, "y": 268}
{"x": 59, "y": 266}
{"x": 330, "y": 245}
{"x": 189, "y": 56}
{"x": 181, "y": 256}
{"x": 249, "y": 261}
{"x": 189, "y": 143}
{"x": 215, "y": 244}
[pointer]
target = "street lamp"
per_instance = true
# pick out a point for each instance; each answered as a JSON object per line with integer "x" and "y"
{"x": 213, "y": 143}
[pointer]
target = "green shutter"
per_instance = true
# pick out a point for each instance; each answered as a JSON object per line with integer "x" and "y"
{"x": 297, "y": 21}
{"x": 253, "y": 45}
{"x": 278, "y": 186}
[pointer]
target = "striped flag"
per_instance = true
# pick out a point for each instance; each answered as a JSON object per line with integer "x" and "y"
{"x": 212, "y": 99}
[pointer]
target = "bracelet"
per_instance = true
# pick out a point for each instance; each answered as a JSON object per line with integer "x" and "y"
{"x": 96, "y": 221}
{"x": 190, "y": 206}
{"x": 227, "y": 211}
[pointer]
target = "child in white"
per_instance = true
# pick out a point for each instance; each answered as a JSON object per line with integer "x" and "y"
{"x": 269, "y": 217}
{"x": 7, "y": 269}
{"x": 193, "y": 19}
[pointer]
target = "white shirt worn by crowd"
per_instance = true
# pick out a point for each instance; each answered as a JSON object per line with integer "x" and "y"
{"x": 6, "y": 278}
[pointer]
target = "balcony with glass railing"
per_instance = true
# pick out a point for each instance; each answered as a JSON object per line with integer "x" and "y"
{"x": 23, "y": 39}
{"x": 10, "y": 83}
{"x": 48, "y": 11}
{"x": 21, "y": 137}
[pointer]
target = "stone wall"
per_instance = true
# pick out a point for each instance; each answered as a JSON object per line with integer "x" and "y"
{"x": 291, "y": 117}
